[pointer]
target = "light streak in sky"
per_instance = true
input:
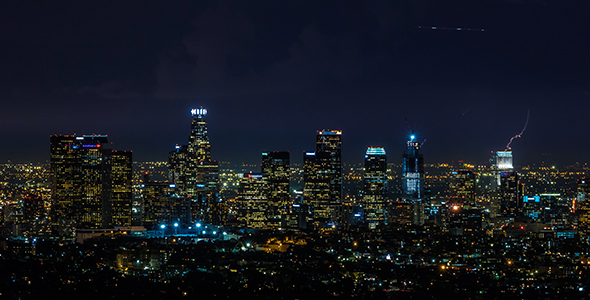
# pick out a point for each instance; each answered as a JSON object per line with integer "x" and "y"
{"x": 465, "y": 112}
{"x": 450, "y": 28}
{"x": 520, "y": 134}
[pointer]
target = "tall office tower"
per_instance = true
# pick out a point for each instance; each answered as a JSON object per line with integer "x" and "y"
{"x": 82, "y": 181}
{"x": 32, "y": 214}
{"x": 501, "y": 162}
{"x": 276, "y": 169}
{"x": 509, "y": 194}
{"x": 462, "y": 186}
{"x": 375, "y": 187}
{"x": 253, "y": 202}
{"x": 532, "y": 207}
{"x": 317, "y": 178}
{"x": 330, "y": 141}
{"x": 122, "y": 198}
{"x": 401, "y": 213}
{"x": 162, "y": 206}
{"x": 177, "y": 160}
{"x": 413, "y": 180}
{"x": 195, "y": 174}
{"x": 33, "y": 209}
{"x": 583, "y": 208}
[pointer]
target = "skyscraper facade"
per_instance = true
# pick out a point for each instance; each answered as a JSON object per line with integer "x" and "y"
{"x": 501, "y": 162}
{"x": 583, "y": 208}
{"x": 330, "y": 141}
{"x": 510, "y": 199}
{"x": 82, "y": 181}
{"x": 162, "y": 206}
{"x": 462, "y": 187}
{"x": 413, "y": 180}
{"x": 375, "y": 187}
{"x": 276, "y": 169}
{"x": 195, "y": 174}
{"x": 253, "y": 201}
{"x": 121, "y": 176}
{"x": 317, "y": 179}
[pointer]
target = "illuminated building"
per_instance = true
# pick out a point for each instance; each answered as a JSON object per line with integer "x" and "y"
{"x": 583, "y": 208}
{"x": 253, "y": 201}
{"x": 195, "y": 174}
{"x": 121, "y": 164}
{"x": 86, "y": 177}
{"x": 375, "y": 186}
{"x": 464, "y": 221}
{"x": 162, "y": 206}
{"x": 317, "y": 182}
{"x": 276, "y": 170}
{"x": 176, "y": 166}
{"x": 532, "y": 207}
{"x": 509, "y": 194}
{"x": 413, "y": 180}
{"x": 556, "y": 211}
{"x": 401, "y": 213}
{"x": 33, "y": 208}
{"x": 32, "y": 215}
{"x": 296, "y": 216}
{"x": 462, "y": 186}
{"x": 503, "y": 160}
{"x": 330, "y": 141}
{"x": 501, "y": 163}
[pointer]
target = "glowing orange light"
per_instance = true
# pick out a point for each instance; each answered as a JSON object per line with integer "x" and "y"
{"x": 455, "y": 207}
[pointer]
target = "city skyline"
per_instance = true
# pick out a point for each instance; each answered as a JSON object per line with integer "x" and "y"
{"x": 278, "y": 73}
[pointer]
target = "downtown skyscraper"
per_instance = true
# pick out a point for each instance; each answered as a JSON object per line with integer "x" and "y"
{"x": 90, "y": 183}
{"x": 375, "y": 187}
{"x": 276, "y": 169}
{"x": 322, "y": 176}
{"x": 413, "y": 180}
{"x": 505, "y": 196}
{"x": 582, "y": 207}
{"x": 316, "y": 189}
{"x": 195, "y": 174}
{"x": 330, "y": 141}
{"x": 462, "y": 186}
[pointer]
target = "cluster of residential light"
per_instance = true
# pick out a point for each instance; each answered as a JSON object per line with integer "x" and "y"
{"x": 198, "y": 225}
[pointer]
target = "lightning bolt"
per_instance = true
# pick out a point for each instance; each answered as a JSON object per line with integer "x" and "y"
{"x": 520, "y": 134}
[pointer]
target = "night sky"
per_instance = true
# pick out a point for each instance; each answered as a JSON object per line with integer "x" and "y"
{"x": 272, "y": 73}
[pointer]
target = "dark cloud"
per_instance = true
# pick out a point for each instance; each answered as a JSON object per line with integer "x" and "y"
{"x": 272, "y": 73}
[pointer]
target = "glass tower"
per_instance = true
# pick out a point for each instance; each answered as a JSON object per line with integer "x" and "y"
{"x": 253, "y": 201}
{"x": 317, "y": 186}
{"x": 462, "y": 186}
{"x": 276, "y": 169}
{"x": 195, "y": 174}
{"x": 375, "y": 186}
{"x": 583, "y": 208}
{"x": 413, "y": 180}
{"x": 90, "y": 184}
{"x": 330, "y": 142}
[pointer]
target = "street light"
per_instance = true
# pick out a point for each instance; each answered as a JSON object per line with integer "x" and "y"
{"x": 198, "y": 225}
